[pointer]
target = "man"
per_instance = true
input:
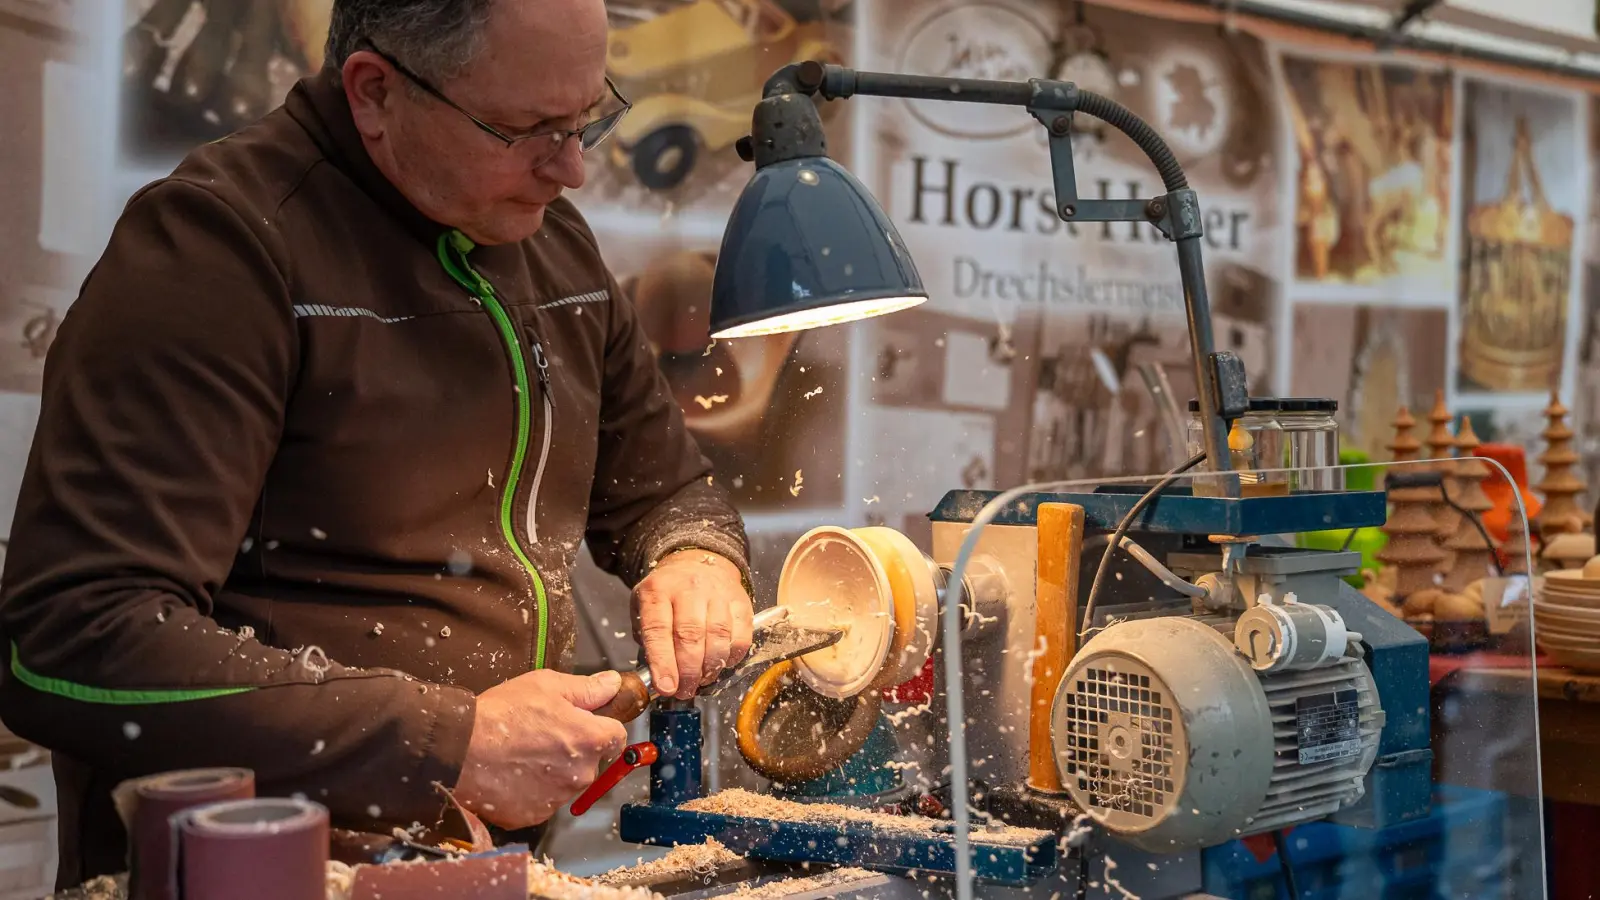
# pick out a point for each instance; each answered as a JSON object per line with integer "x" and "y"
{"x": 348, "y": 390}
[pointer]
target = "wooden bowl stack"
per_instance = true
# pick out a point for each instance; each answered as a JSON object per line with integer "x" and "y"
{"x": 1566, "y": 616}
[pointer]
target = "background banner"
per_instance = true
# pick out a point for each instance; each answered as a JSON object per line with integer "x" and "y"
{"x": 1377, "y": 229}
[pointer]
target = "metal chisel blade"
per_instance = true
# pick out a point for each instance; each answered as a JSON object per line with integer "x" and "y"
{"x": 781, "y": 641}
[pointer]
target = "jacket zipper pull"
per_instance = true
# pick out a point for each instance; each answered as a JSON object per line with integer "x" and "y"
{"x": 543, "y": 366}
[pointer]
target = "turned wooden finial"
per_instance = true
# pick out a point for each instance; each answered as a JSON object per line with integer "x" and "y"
{"x": 1405, "y": 445}
{"x": 1561, "y": 485}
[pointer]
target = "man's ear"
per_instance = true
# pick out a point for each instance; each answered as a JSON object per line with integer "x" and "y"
{"x": 369, "y": 86}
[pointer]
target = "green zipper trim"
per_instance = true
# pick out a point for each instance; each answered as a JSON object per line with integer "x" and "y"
{"x": 107, "y": 696}
{"x": 452, "y": 251}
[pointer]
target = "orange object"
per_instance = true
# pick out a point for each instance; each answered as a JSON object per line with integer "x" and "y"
{"x": 1515, "y": 460}
{"x": 1060, "y": 544}
{"x": 634, "y": 757}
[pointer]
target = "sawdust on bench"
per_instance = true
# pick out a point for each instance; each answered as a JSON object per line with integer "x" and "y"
{"x": 102, "y": 888}
{"x": 547, "y": 883}
{"x": 789, "y": 887}
{"x": 684, "y": 860}
{"x": 743, "y": 803}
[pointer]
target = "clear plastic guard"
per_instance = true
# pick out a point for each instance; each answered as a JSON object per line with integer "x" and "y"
{"x": 1449, "y": 787}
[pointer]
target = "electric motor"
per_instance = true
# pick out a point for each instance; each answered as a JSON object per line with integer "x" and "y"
{"x": 1169, "y": 738}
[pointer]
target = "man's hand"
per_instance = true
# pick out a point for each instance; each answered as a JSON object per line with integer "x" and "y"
{"x": 692, "y": 615}
{"x": 535, "y": 745}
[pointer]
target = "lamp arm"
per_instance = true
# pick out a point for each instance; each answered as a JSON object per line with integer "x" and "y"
{"x": 1220, "y": 378}
{"x": 840, "y": 83}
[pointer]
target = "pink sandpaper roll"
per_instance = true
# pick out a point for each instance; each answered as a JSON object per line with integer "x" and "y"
{"x": 266, "y": 849}
{"x": 155, "y": 800}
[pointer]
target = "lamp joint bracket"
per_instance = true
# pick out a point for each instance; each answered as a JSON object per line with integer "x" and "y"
{"x": 1177, "y": 215}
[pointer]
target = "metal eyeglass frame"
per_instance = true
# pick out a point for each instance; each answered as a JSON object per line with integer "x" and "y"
{"x": 590, "y": 134}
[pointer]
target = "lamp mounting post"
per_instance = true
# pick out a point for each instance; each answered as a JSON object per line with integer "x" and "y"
{"x": 786, "y": 127}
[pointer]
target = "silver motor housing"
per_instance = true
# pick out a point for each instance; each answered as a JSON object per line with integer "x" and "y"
{"x": 1170, "y": 738}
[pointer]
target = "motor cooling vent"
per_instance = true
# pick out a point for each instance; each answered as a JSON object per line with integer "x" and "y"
{"x": 1169, "y": 739}
{"x": 1125, "y": 741}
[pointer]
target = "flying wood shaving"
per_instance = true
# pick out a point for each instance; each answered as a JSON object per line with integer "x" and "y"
{"x": 1112, "y": 882}
{"x": 709, "y": 348}
{"x": 799, "y": 482}
{"x": 810, "y": 394}
{"x": 713, "y": 400}
{"x": 871, "y": 500}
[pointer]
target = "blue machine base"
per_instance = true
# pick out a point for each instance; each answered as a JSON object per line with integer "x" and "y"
{"x": 1178, "y": 511}
{"x": 847, "y": 844}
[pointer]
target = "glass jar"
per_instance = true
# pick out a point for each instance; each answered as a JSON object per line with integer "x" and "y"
{"x": 1312, "y": 443}
{"x": 1255, "y": 442}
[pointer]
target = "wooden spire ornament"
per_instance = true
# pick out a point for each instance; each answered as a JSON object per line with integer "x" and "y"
{"x": 1515, "y": 548}
{"x": 1561, "y": 485}
{"x": 1413, "y": 525}
{"x": 1405, "y": 445}
{"x": 1442, "y": 446}
{"x": 1472, "y": 556}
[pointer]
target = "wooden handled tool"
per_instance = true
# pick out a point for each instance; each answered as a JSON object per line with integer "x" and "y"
{"x": 774, "y": 639}
{"x": 631, "y": 699}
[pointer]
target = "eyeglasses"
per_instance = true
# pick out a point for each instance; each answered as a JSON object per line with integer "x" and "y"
{"x": 543, "y": 145}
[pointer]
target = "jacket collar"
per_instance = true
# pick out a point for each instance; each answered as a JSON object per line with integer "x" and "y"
{"x": 319, "y": 104}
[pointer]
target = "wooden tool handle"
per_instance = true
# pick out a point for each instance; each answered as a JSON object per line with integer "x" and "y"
{"x": 630, "y": 701}
{"x": 1060, "y": 537}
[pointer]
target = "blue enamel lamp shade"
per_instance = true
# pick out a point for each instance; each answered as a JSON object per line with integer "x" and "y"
{"x": 808, "y": 246}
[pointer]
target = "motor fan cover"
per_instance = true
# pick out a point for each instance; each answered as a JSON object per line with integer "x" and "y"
{"x": 1169, "y": 739}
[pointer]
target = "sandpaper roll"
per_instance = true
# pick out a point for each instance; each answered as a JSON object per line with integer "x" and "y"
{"x": 266, "y": 849}
{"x": 148, "y": 804}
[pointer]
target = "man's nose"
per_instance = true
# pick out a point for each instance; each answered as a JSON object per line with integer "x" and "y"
{"x": 566, "y": 167}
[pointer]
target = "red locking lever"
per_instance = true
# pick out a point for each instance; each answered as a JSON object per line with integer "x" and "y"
{"x": 633, "y": 757}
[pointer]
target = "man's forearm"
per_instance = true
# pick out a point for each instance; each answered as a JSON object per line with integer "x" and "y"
{"x": 697, "y": 517}
{"x": 148, "y": 686}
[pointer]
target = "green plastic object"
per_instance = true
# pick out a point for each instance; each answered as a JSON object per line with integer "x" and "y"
{"x": 1367, "y": 541}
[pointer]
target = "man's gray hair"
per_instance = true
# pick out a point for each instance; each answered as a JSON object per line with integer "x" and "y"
{"x": 434, "y": 38}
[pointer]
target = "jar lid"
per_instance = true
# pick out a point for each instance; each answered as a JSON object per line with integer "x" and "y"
{"x": 1283, "y": 404}
{"x": 1257, "y": 405}
{"x": 1308, "y": 404}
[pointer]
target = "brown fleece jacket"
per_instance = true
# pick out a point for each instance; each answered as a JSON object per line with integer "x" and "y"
{"x": 298, "y": 440}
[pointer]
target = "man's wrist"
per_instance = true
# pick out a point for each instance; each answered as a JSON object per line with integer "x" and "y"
{"x": 708, "y": 557}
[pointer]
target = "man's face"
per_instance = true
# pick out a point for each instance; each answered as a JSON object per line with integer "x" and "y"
{"x": 542, "y": 68}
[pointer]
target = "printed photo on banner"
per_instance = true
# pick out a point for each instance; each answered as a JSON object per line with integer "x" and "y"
{"x": 1067, "y": 342}
{"x": 1524, "y": 184}
{"x": 1372, "y": 359}
{"x": 196, "y": 70}
{"x": 1373, "y": 146}
{"x": 694, "y": 70}
{"x": 769, "y": 412}
{"x": 1585, "y": 398}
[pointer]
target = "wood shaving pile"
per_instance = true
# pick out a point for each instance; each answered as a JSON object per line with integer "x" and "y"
{"x": 101, "y": 888}
{"x": 544, "y": 883}
{"x": 685, "y": 860}
{"x": 547, "y": 883}
{"x": 789, "y": 887}
{"x": 743, "y": 803}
